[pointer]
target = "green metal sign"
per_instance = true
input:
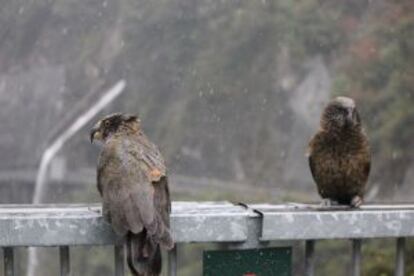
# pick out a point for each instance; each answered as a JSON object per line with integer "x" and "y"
{"x": 251, "y": 262}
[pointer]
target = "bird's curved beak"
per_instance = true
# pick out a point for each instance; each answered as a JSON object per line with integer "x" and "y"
{"x": 95, "y": 133}
{"x": 350, "y": 117}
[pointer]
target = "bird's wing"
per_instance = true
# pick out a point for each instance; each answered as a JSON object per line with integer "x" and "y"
{"x": 310, "y": 158}
{"x": 163, "y": 206}
{"x": 129, "y": 174}
{"x": 127, "y": 193}
{"x": 154, "y": 167}
{"x": 312, "y": 166}
{"x": 368, "y": 156}
{"x": 366, "y": 167}
{"x": 151, "y": 157}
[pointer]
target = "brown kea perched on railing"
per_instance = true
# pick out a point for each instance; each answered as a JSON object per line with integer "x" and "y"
{"x": 132, "y": 181}
{"x": 339, "y": 154}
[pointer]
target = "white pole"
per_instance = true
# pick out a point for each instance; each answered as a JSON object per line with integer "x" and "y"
{"x": 56, "y": 145}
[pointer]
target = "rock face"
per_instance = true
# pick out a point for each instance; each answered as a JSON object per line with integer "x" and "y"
{"x": 219, "y": 109}
{"x": 229, "y": 89}
{"x": 306, "y": 102}
{"x": 31, "y": 102}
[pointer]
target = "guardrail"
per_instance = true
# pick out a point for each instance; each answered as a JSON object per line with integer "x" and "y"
{"x": 240, "y": 225}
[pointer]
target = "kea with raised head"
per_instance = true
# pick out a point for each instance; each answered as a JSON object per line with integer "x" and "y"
{"x": 339, "y": 154}
{"x": 132, "y": 180}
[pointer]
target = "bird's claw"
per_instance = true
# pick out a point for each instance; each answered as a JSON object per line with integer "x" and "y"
{"x": 327, "y": 202}
{"x": 356, "y": 201}
{"x": 94, "y": 210}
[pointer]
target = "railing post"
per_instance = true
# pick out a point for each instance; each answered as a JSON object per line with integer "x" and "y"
{"x": 309, "y": 257}
{"x": 8, "y": 261}
{"x": 400, "y": 257}
{"x": 356, "y": 257}
{"x": 254, "y": 231}
{"x": 64, "y": 260}
{"x": 119, "y": 260}
{"x": 172, "y": 261}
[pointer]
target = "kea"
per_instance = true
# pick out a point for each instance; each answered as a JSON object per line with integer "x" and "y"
{"x": 339, "y": 154}
{"x": 132, "y": 181}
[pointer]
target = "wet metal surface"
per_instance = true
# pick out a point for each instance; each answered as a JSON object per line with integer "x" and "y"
{"x": 400, "y": 257}
{"x": 356, "y": 257}
{"x": 54, "y": 225}
{"x": 8, "y": 261}
{"x": 310, "y": 223}
{"x": 64, "y": 256}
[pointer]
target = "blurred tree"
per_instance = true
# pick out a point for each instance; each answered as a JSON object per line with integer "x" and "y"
{"x": 376, "y": 69}
{"x": 219, "y": 85}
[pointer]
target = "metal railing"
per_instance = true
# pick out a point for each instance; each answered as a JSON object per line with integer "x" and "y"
{"x": 239, "y": 225}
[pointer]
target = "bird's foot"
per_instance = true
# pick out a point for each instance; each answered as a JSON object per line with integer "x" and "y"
{"x": 356, "y": 201}
{"x": 95, "y": 210}
{"x": 327, "y": 202}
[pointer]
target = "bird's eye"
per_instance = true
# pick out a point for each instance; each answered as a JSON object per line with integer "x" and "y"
{"x": 106, "y": 123}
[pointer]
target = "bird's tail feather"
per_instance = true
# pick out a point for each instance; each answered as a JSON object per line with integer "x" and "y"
{"x": 143, "y": 255}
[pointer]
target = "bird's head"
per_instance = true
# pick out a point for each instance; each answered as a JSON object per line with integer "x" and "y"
{"x": 114, "y": 123}
{"x": 340, "y": 113}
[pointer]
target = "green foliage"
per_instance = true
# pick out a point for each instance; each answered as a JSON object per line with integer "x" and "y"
{"x": 206, "y": 75}
{"x": 377, "y": 72}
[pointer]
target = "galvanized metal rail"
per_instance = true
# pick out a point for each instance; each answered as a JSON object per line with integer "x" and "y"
{"x": 238, "y": 225}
